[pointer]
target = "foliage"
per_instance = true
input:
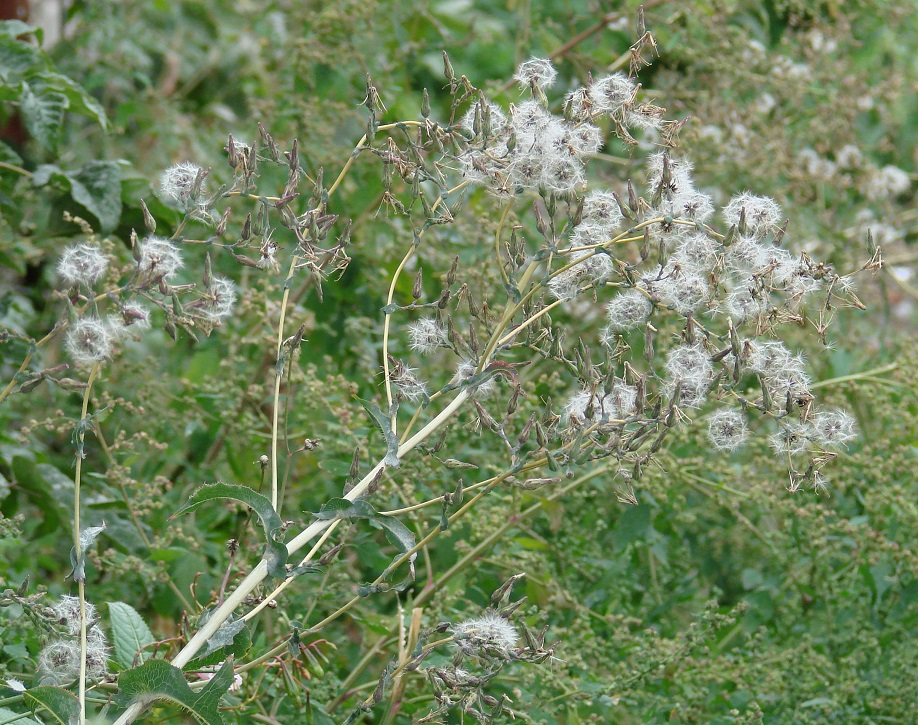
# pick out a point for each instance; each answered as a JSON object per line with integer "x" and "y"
{"x": 346, "y": 407}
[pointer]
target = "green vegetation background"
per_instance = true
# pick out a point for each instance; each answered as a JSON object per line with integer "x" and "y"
{"x": 720, "y": 598}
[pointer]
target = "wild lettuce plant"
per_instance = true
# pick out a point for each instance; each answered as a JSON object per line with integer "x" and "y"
{"x": 645, "y": 306}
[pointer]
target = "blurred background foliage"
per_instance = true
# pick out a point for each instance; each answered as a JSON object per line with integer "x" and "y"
{"x": 720, "y": 598}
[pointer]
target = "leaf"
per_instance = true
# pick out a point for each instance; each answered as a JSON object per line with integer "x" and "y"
{"x": 158, "y": 680}
{"x": 397, "y": 533}
{"x": 233, "y": 639}
{"x": 43, "y": 115}
{"x": 8, "y": 715}
{"x": 62, "y": 705}
{"x": 275, "y": 552}
{"x": 78, "y": 97}
{"x": 16, "y": 28}
{"x": 17, "y": 57}
{"x": 97, "y": 186}
{"x": 385, "y": 425}
{"x": 130, "y": 634}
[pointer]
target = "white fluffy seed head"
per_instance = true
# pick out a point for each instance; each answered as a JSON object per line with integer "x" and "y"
{"x": 407, "y": 384}
{"x": 178, "y": 182}
{"x": 219, "y": 299}
{"x": 426, "y": 335}
{"x": 601, "y": 208}
{"x": 89, "y": 340}
{"x": 685, "y": 291}
{"x": 159, "y": 258}
{"x": 83, "y": 264}
{"x": 535, "y": 72}
{"x": 689, "y": 369}
{"x": 832, "y": 427}
{"x": 466, "y": 370}
{"x": 66, "y": 612}
{"x": 489, "y": 634}
{"x": 727, "y": 429}
{"x": 762, "y": 213}
{"x": 628, "y": 310}
{"x": 136, "y": 316}
{"x": 609, "y": 94}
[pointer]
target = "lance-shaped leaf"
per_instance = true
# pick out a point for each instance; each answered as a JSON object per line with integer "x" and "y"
{"x": 158, "y": 680}
{"x": 397, "y": 533}
{"x": 275, "y": 552}
{"x": 385, "y": 425}
{"x": 62, "y": 706}
{"x": 130, "y": 634}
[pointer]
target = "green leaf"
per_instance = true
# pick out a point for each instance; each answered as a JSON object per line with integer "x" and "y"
{"x": 16, "y": 28}
{"x": 397, "y": 533}
{"x": 17, "y": 57}
{"x": 275, "y": 552}
{"x": 233, "y": 639}
{"x": 43, "y": 115}
{"x": 130, "y": 634}
{"x": 385, "y": 425}
{"x": 97, "y": 186}
{"x": 79, "y": 99}
{"x": 7, "y": 716}
{"x": 60, "y": 704}
{"x": 158, "y": 680}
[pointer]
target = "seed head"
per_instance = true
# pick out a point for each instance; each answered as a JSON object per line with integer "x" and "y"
{"x": 727, "y": 430}
{"x": 628, "y": 310}
{"x": 535, "y": 73}
{"x": 762, "y": 213}
{"x": 89, "y": 340}
{"x": 178, "y": 182}
{"x": 489, "y": 634}
{"x": 689, "y": 369}
{"x": 219, "y": 299}
{"x": 610, "y": 93}
{"x": 83, "y": 264}
{"x": 136, "y": 316}
{"x": 600, "y": 208}
{"x": 426, "y": 335}
{"x": 66, "y": 612}
{"x": 832, "y": 427}
{"x": 159, "y": 258}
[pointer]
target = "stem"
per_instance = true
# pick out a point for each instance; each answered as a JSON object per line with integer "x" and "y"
{"x": 865, "y": 375}
{"x": 260, "y": 572}
{"x": 278, "y": 374}
{"x": 81, "y": 584}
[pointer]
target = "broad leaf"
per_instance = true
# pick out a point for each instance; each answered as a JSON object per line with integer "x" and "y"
{"x": 17, "y": 57}
{"x": 60, "y": 704}
{"x": 130, "y": 634}
{"x": 43, "y": 115}
{"x": 275, "y": 552}
{"x": 97, "y": 186}
{"x": 158, "y": 680}
{"x": 79, "y": 99}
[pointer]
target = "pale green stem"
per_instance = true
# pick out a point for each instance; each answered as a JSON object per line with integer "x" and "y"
{"x": 278, "y": 376}
{"x": 81, "y": 586}
{"x": 866, "y": 375}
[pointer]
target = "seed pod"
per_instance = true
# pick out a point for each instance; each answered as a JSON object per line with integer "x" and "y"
{"x": 418, "y": 287}
{"x": 425, "y": 104}
{"x": 148, "y": 220}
